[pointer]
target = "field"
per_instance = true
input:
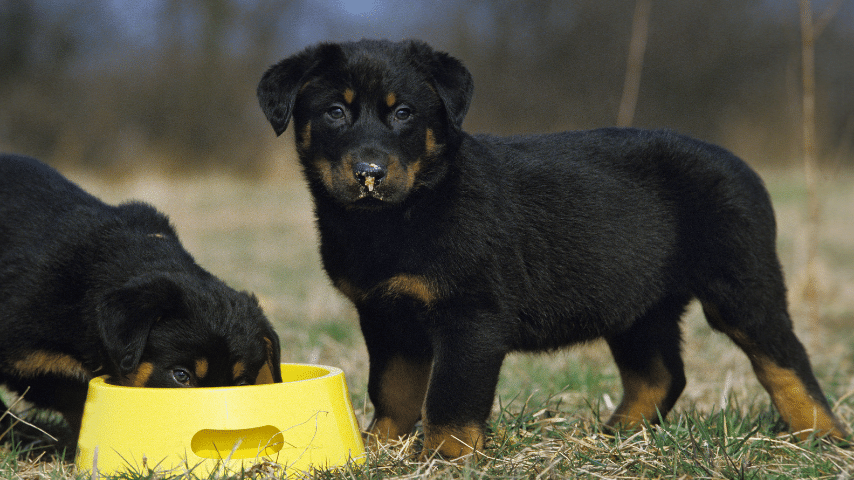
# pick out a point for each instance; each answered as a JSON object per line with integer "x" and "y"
{"x": 260, "y": 236}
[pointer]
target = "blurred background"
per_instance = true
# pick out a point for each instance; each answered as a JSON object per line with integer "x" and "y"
{"x": 120, "y": 86}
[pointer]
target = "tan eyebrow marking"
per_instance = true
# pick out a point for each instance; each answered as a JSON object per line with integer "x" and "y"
{"x": 140, "y": 376}
{"x": 201, "y": 367}
{"x": 238, "y": 370}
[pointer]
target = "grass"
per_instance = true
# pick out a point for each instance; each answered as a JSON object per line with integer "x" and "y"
{"x": 261, "y": 237}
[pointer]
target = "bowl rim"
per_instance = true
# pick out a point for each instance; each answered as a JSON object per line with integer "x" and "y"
{"x": 101, "y": 382}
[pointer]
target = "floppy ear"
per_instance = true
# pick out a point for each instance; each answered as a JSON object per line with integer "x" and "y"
{"x": 125, "y": 316}
{"x": 271, "y": 372}
{"x": 278, "y": 88}
{"x": 451, "y": 78}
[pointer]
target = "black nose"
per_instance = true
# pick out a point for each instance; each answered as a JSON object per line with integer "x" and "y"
{"x": 368, "y": 174}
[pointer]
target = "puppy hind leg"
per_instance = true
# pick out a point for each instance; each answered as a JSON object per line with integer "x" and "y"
{"x": 650, "y": 364}
{"x": 783, "y": 368}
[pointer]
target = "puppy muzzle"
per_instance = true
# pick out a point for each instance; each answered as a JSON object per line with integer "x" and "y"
{"x": 369, "y": 175}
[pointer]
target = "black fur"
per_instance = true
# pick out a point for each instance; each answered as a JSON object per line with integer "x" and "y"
{"x": 457, "y": 249}
{"x": 88, "y": 289}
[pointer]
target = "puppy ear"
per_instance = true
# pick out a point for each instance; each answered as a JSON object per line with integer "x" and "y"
{"x": 125, "y": 317}
{"x": 271, "y": 372}
{"x": 277, "y": 91}
{"x": 451, "y": 78}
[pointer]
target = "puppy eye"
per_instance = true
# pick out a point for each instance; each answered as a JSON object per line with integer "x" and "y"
{"x": 402, "y": 114}
{"x": 242, "y": 382}
{"x": 335, "y": 113}
{"x": 181, "y": 376}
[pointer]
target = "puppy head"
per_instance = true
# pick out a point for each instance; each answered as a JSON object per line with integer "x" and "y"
{"x": 374, "y": 120}
{"x": 177, "y": 330}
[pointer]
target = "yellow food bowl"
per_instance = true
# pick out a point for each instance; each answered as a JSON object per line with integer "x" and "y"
{"x": 305, "y": 422}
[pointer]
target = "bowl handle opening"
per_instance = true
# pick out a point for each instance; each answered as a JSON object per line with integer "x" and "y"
{"x": 236, "y": 444}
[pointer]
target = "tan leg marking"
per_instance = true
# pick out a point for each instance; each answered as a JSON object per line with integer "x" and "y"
{"x": 799, "y": 410}
{"x": 790, "y": 396}
{"x": 643, "y": 396}
{"x": 402, "y": 389}
{"x": 43, "y": 362}
{"x": 453, "y": 442}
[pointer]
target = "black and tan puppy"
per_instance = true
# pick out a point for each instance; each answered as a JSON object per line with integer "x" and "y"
{"x": 457, "y": 249}
{"x": 89, "y": 289}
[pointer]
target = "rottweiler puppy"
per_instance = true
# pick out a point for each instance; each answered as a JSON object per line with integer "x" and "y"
{"x": 88, "y": 289}
{"x": 457, "y": 249}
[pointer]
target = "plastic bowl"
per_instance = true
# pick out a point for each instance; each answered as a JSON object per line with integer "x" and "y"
{"x": 306, "y": 422}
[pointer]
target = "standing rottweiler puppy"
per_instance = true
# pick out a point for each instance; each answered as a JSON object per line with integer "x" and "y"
{"x": 457, "y": 249}
{"x": 89, "y": 289}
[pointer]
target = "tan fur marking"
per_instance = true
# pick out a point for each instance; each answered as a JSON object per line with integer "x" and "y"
{"x": 265, "y": 374}
{"x": 349, "y": 95}
{"x": 382, "y": 431}
{"x": 412, "y": 173}
{"x": 414, "y": 286}
{"x": 790, "y": 396}
{"x": 42, "y": 362}
{"x": 799, "y": 410}
{"x": 140, "y": 376}
{"x": 430, "y": 145}
{"x": 453, "y": 442}
{"x": 402, "y": 177}
{"x": 201, "y": 368}
{"x": 390, "y": 99}
{"x": 305, "y": 137}
{"x": 238, "y": 370}
{"x": 643, "y": 396}
{"x": 404, "y": 284}
{"x": 402, "y": 390}
{"x": 324, "y": 167}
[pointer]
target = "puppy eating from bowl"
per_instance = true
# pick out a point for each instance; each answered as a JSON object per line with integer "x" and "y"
{"x": 89, "y": 289}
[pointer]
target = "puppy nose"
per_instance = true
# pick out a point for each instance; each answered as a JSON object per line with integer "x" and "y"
{"x": 368, "y": 174}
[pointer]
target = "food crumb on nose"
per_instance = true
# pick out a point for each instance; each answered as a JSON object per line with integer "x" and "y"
{"x": 369, "y": 182}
